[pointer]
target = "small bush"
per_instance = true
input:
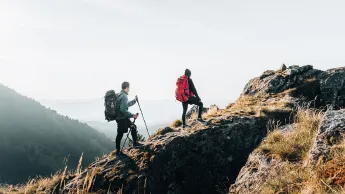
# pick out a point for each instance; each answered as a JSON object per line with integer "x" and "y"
{"x": 330, "y": 175}
{"x": 176, "y": 123}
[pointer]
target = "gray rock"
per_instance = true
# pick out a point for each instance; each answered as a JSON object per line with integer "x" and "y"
{"x": 331, "y": 131}
{"x": 181, "y": 162}
{"x": 267, "y": 73}
{"x": 254, "y": 174}
{"x": 294, "y": 67}
{"x": 326, "y": 87}
{"x": 332, "y": 87}
{"x": 282, "y": 67}
{"x": 275, "y": 83}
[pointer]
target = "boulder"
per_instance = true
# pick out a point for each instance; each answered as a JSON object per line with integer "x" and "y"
{"x": 270, "y": 83}
{"x": 282, "y": 67}
{"x": 332, "y": 87}
{"x": 332, "y": 131}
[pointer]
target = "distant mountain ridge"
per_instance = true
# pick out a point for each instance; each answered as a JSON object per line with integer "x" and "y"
{"x": 35, "y": 140}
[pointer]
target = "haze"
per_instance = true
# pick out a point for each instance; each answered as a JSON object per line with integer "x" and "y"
{"x": 78, "y": 49}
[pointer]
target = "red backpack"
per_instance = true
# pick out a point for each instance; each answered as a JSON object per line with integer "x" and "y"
{"x": 182, "y": 89}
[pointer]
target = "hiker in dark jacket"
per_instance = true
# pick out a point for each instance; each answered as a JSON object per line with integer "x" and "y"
{"x": 194, "y": 99}
{"x": 123, "y": 117}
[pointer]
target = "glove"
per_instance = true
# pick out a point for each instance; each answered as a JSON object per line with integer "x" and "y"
{"x": 135, "y": 116}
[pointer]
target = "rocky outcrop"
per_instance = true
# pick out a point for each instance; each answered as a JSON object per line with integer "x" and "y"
{"x": 273, "y": 83}
{"x": 305, "y": 83}
{"x": 179, "y": 161}
{"x": 254, "y": 174}
{"x": 258, "y": 167}
{"x": 256, "y": 171}
{"x": 330, "y": 133}
{"x": 282, "y": 67}
{"x": 332, "y": 87}
{"x": 205, "y": 156}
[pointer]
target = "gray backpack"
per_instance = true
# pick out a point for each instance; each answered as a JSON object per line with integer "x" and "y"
{"x": 110, "y": 100}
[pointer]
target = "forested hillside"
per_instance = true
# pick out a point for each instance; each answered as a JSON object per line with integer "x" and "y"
{"x": 35, "y": 140}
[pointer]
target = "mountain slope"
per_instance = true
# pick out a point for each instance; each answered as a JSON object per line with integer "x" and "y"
{"x": 35, "y": 140}
{"x": 207, "y": 157}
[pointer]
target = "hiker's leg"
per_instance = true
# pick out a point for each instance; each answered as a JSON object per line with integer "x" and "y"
{"x": 118, "y": 140}
{"x": 185, "y": 107}
{"x": 201, "y": 107}
{"x": 195, "y": 101}
{"x": 122, "y": 127}
{"x": 134, "y": 134}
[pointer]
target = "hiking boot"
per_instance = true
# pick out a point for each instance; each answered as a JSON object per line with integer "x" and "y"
{"x": 136, "y": 144}
{"x": 201, "y": 120}
{"x": 119, "y": 153}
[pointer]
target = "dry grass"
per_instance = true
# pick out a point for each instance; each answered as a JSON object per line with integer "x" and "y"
{"x": 10, "y": 189}
{"x": 246, "y": 105}
{"x": 79, "y": 168}
{"x": 292, "y": 148}
{"x": 89, "y": 179}
{"x": 211, "y": 113}
{"x": 259, "y": 105}
{"x": 34, "y": 186}
{"x": 294, "y": 145}
{"x": 50, "y": 184}
{"x": 176, "y": 123}
{"x": 330, "y": 174}
{"x": 288, "y": 178}
{"x": 291, "y": 175}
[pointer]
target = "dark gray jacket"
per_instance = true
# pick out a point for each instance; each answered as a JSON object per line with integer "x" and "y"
{"x": 122, "y": 106}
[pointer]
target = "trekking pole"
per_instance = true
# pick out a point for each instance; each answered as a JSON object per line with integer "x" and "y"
{"x": 143, "y": 118}
{"x": 130, "y": 130}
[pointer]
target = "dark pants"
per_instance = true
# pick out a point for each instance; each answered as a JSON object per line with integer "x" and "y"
{"x": 122, "y": 127}
{"x": 192, "y": 100}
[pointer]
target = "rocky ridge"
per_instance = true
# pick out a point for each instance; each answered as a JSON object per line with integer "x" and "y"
{"x": 207, "y": 156}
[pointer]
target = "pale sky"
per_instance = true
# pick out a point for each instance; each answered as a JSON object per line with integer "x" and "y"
{"x": 71, "y": 49}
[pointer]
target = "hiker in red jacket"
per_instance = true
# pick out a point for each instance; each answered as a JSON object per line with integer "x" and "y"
{"x": 187, "y": 94}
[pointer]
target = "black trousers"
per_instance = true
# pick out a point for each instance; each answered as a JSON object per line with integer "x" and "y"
{"x": 122, "y": 128}
{"x": 192, "y": 100}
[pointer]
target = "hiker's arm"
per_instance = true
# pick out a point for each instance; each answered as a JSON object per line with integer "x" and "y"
{"x": 193, "y": 89}
{"x": 131, "y": 103}
{"x": 124, "y": 109}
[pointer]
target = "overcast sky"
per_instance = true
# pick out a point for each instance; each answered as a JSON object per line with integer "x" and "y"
{"x": 71, "y": 49}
